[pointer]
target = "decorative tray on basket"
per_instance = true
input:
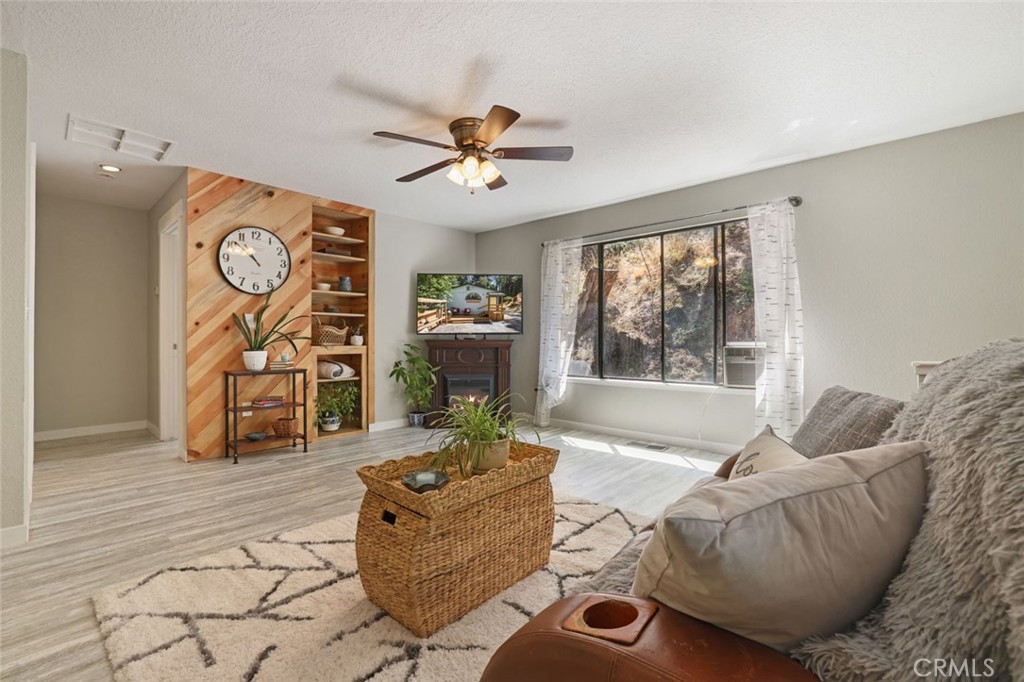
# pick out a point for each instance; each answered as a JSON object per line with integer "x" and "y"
{"x": 526, "y": 463}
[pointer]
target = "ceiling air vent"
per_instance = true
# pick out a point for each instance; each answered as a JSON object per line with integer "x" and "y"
{"x": 116, "y": 138}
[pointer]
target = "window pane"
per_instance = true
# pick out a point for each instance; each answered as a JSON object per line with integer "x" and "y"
{"x": 632, "y": 309}
{"x": 584, "y": 355}
{"x": 690, "y": 309}
{"x": 739, "y": 284}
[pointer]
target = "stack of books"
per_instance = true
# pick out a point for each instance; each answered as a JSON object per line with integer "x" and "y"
{"x": 281, "y": 364}
{"x": 268, "y": 401}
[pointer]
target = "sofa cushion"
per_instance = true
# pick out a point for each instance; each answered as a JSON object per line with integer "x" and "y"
{"x": 843, "y": 420}
{"x": 793, "y": 552}
{"x": 764, "y": 452}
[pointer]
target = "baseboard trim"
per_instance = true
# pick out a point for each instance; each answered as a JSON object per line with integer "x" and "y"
{"x": 58, "y": 434}
{"x": 710, "y": 446}
{"x": 388, "y": 425}
{"x": 153, "y": 429}
{"x": 13, "y": 535}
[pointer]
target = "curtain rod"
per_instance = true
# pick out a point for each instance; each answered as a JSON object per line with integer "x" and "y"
{"x": 793, "y": 200}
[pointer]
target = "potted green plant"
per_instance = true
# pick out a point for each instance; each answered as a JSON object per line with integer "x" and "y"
{"x": 479, "y": 434}
{"x": 328, "y": 408}
{"x": 418, "y": 378}
{"x": 356, "y": 339}
{"x": 348, "y": 400}
{"x": 258, "y": 337}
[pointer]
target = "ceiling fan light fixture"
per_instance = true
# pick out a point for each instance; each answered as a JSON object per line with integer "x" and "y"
{"x": 456, "y": 174}
{"x": 471, "y": 167}
{"x": 489, "y": 171}
{"x": 473, "y": 183}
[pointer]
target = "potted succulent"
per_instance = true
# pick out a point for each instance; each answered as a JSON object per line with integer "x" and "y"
{"x": 418, "y": 379}
{"x": 479, "y": 434}
{"x": 258, "y": 337}
{"x": 328, "y": 408}
{"x": 356, "y": 339}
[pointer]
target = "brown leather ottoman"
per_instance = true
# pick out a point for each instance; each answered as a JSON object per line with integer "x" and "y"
{"x": 671, "y": 647}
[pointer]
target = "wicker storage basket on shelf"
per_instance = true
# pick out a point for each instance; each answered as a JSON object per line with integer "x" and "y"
{"x": 429, "y": 559}
{"x": 285, "y": 426}
{"x": 328, "y": 335}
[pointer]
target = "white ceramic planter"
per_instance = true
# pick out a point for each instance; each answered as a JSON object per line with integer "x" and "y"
{"x": 255, "y": 360}
{"x": 494, "y": 456}
{"x": 330, "y": 423}
{"x": 355, "y": 340}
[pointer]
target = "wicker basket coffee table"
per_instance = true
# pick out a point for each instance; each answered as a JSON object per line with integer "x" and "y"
{"x": 429, "y": 559}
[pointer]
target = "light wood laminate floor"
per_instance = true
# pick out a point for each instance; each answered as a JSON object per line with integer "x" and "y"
{"x": 109, "y": 508}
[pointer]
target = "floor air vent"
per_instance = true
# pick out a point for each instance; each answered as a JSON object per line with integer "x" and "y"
{"x": 647, "y": 446}
{"x": 116, "y": 138}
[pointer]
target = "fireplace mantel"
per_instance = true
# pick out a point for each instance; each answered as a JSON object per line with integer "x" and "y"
{"x": 456, "y": 358}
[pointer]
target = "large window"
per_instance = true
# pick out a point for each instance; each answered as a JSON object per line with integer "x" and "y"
{"x": 660, "y": 308}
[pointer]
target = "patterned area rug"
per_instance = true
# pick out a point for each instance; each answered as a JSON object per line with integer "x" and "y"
{"x": 291, "y": 607}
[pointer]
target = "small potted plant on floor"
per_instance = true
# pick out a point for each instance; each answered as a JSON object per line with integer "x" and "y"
{"x": 418, "y": 378}
{"x": 328, "y": 408}
{"x": 258, "y": 337}
{"x": 479, "y": 434}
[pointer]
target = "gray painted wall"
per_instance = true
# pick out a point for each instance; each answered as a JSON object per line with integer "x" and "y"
{"x": 910, "y": 250}
{"x": 92, "y": 279}
{"x": 405, "y": 247}
{"x": 15, "y": 442}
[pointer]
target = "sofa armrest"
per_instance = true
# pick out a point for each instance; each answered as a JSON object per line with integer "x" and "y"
{"x": 673, "y": 647}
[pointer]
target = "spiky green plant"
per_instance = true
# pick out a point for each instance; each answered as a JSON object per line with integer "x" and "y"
{"x": 470, "y": 426}
{"x": 260, "y": 337}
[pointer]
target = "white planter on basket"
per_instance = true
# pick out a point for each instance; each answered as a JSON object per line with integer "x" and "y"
{"x": 255, "y": 360}
{"x": 494, "y": 455}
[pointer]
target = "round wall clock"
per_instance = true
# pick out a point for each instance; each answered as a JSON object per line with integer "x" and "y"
{"x": 254, "y": 260}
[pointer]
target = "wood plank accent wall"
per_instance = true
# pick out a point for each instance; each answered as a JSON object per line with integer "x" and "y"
{"x": 218, "y": 204}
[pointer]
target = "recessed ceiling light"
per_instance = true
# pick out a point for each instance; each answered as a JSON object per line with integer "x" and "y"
{"x": 109, "y": 168}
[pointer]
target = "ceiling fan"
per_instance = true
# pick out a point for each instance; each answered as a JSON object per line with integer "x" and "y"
{"x": 473, "y": 167}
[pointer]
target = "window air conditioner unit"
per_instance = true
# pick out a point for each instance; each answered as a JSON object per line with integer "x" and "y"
{"x": 743, "y": 363}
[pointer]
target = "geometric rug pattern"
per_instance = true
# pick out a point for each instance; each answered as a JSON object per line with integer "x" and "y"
{"x": 291, "y": 608}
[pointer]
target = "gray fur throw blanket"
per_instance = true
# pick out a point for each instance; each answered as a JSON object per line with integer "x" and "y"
{"x": 958, "y": 601}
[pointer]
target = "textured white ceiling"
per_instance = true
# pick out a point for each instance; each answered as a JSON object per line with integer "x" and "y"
{"x": 652, "y": 96}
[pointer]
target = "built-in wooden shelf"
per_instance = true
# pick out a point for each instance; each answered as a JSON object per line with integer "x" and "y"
{"x": 337, "y": 258}
{"x": 340, "y": 294}
{"x": 344, "y": 431}
{"x": 334, "y": 239}
{"x": 339, "y": 350}
{"x": 339, "y": 314}
{"x": 331, "y": 381}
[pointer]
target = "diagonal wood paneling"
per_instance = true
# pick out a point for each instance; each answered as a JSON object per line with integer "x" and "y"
{"x": 218, "y": 204}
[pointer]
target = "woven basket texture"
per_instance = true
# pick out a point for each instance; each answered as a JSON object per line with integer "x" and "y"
{"x": 429, "y": 559}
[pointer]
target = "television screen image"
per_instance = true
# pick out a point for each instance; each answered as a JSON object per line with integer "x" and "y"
{"x": 469, "y": 304}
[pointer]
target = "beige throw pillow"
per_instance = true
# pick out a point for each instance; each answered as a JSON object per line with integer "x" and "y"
{"x": 803, "y": 550}
{"x": 766, "y": 451}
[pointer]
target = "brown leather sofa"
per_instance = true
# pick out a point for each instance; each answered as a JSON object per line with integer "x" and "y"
{"x": 671, "y": 647}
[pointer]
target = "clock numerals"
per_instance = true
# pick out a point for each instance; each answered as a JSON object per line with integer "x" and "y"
{"x": 247, "y": 260}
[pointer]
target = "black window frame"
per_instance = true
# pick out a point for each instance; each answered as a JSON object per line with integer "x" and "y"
{"x": 719, "y": 303}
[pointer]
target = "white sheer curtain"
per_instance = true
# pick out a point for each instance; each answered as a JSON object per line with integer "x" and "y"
{"x": 779, "y": 325}
{"x": 559, "y": 296}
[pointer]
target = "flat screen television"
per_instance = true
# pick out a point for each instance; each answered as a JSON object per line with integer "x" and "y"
{"x": 469, "y": 304}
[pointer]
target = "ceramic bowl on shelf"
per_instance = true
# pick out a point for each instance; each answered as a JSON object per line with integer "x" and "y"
{"x": 336, "y": 231}
{"x": 322, "y": 286}
{"x": 256, "y": 435}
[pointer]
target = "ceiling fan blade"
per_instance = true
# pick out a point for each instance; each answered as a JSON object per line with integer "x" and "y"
{"x": 417, "y": 140}
{"x": 497, "y": 183}
{"x": 534, "y": 153}
{"x": 498, "y": 120}
{"x": 426, "y": 171}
